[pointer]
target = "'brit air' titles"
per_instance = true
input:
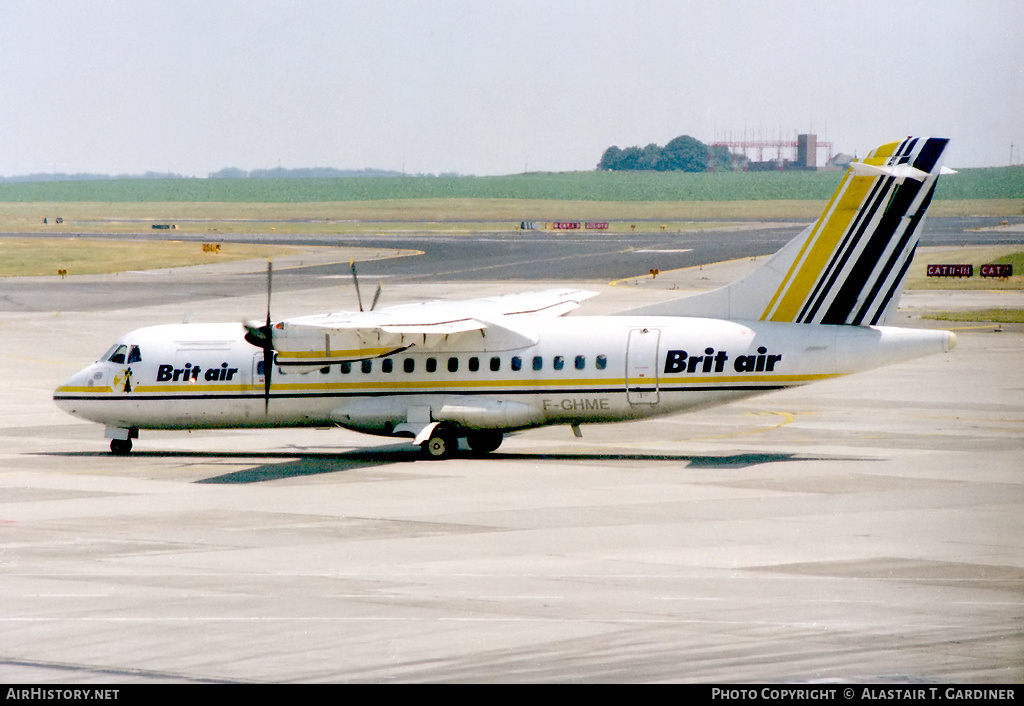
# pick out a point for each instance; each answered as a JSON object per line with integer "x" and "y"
{"x": 714, "y": 362}
{"x": 168, "y": 373}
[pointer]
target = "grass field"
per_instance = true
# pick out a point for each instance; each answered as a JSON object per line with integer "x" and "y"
{"x": 969, "y": 184}
{"x": 460, "y": 204}
{"x": 996, "y": 316}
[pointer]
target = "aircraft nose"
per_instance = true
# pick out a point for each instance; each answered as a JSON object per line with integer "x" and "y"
{"x": 84, "y": 381}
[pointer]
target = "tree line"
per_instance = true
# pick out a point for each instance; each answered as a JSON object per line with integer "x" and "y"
{"x": 684, "y": 153}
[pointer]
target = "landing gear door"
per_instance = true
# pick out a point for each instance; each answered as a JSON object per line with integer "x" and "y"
{"x": 642, "y": 366}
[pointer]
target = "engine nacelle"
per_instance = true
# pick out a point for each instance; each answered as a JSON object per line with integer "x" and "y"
{"x": 382, "y": 414}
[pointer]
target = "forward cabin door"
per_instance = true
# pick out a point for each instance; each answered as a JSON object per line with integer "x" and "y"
{"x": 257, "y": 372}
{"x": 642, "y": 366}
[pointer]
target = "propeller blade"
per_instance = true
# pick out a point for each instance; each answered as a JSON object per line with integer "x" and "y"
{"x": 376, "y": 296}
{"x": 268, "y": 367}
{"x": 254, "y": 335}
{"x": 355, "y": 279}
{"x": 270, "y": 282}
{"x": 268, "y": 342}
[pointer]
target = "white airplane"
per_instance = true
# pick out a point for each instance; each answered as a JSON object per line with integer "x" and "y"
{"x": 438, "y": 372}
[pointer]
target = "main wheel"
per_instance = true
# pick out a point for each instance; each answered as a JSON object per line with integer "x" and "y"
{"x": 440, "y": 445}
{"x": 484, "y": 441}
{"x": 120, "y": 447}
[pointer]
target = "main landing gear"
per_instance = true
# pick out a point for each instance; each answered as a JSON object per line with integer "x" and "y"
{"x": 444, "y": 442}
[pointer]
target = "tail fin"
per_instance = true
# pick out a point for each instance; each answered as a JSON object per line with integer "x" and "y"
{"x": 849, "y": 267}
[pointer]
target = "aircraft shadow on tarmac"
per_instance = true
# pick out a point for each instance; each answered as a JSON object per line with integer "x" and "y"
{"x": 298, "y": 463}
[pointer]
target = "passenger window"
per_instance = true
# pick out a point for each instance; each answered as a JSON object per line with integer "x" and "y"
{"x": 346, "y": 368}
{"x": 474, "y": 364}
{"x": 386, "y": 365}
{"x": 453, "y": 365}
{"x": 367, "y": 366}
{"x": 517, "y": 363}
{"x": 135, "y": 355}
{"x": 602, "y": 362}
{"x": 559, "y": 362}
{"x": 538, "y": 363}
{"x": 118, "y": 355}
{"x": 431, "y": 365}
{"x": 495, "y": 364}
{"x": 581, "y": 362}
{"x": 409, "y": 365}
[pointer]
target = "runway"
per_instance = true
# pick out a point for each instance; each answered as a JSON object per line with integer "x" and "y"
{"x": 862, "y": 529}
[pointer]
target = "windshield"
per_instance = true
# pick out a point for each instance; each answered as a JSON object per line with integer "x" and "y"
{"x": 121, "y": 353}
{"x": 117, "y": 354}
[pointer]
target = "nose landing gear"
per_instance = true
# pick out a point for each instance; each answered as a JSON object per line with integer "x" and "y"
{"x": 120, "y": 447}
{"x": 121, "y": 440}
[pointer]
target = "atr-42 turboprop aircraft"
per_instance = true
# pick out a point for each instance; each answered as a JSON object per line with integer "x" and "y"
{"x": 440, "y": 371}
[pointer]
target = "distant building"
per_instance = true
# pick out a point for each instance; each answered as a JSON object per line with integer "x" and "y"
{"x": 841, "y": 160}
{"x": 801, "y": 154}
{"x": 807, "y": 152}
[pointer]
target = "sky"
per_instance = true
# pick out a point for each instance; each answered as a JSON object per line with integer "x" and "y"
{"x": 486, "y": 87}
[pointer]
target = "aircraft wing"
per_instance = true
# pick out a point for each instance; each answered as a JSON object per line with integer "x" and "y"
{"x": 548, "y": 302}
{"x": 313, "y": 341}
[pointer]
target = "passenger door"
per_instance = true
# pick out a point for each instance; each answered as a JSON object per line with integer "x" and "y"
{"x": 642, "y": 366}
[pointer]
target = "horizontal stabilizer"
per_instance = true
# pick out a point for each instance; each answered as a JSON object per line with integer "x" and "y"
{"x": 900, "y": 171}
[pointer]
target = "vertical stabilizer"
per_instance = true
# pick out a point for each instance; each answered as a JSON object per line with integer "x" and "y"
{"x": 849, "y": 267}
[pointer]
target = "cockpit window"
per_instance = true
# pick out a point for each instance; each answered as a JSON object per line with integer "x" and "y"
{"x": 118, "y": 355}
{"x": 134, "y": 356}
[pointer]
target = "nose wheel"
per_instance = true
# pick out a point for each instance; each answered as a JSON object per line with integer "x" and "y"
{"x": 120, "y": 447}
